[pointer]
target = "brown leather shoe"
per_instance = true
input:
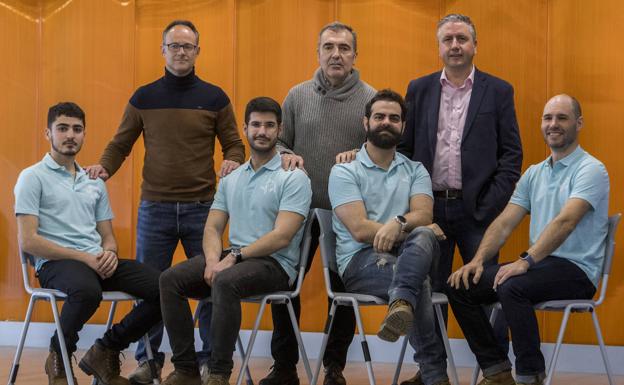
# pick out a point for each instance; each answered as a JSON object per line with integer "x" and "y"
{"x": 417, "y": 380}
{"x": 104, "y": 364}
{"x": 397, "y": 322}
{"x": 281, "y": 376}
{"x": 178, "y": 377}
{"x": 55, "y": 370}
{"x": 500, "y": 378}
{"x": 333, "y": 375}
{"x": 217, "y": 379}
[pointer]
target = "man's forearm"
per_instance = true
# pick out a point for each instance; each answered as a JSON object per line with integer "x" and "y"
{"x": 268, "y": 244}
{"x": 555, "y": 233}
{"x": 212, "y": 245}
{"x": 39, "y": 246}
{"x": 493, "y": 239}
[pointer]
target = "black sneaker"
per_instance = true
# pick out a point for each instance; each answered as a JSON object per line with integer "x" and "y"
{"x": 281, "y": 376}
{"x": 333, "y": 376}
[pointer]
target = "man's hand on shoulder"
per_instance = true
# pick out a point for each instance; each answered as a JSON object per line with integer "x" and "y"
{"x": 347, "y": 156}
{"x": 387, "y": 236}
{"x": 227, "y": 166}
{"x": 291, "y": 162}
{"x": 97, "y": 171}
{"x": 474, "y": 268}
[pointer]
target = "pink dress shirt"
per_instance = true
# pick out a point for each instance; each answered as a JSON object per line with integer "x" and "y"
{"x": 451, "y": 120}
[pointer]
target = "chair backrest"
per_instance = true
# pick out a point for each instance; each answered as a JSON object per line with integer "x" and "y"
{"x": 327, "y": 242}
{"x": 306, "y": 240}
{"x": 614, "y": 220}
{"x": 25, "y": 259}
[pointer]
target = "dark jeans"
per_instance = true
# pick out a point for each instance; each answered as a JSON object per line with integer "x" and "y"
{"x": 284, "y": 348}
{"x": 250, "y": 277}
{"x": 463, "y": 231}
{"x": 406, "y": 277}
{"x": 161, "y": 225}
{"x": 84, "y": 287}
{"x": 551, "y": 279}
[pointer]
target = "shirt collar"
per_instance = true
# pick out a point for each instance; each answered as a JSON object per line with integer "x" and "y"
{"x": 273, "y": 164}
{"x": 363, "y": 157}
{"x": 468, "y": 82}
{"x": 569, "y": 159}
{"x": 51, "y": 163}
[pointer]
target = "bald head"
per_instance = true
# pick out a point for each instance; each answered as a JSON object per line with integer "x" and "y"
{"x": 571, "y": 100}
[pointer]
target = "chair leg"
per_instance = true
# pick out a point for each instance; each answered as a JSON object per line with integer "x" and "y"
{"x": 328, "y": 325}
{"x": 150, "y": 359}
{"x": 252, "y": 340}
{"x": 555, "y": 355}
{"x": 20, "y": 345}
{"x": 295, "y": 325}
{"x": 61, "y": 340}
{"x": 603, "y": 349}
{"x": 447, "y": 345}
{"x": 241, "y": 350}
{"x": 365, "y": 351}
{"x": 477, "y": 369}
{"x": 397, "y": 372}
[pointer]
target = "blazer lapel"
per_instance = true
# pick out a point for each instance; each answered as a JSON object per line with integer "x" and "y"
{"x": 433, "y": 112}
{"x": 478, "y": 90}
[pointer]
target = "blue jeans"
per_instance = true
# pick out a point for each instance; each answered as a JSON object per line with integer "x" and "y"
{"x": 551, "y": 279}
{"x": 463, "y": 231}
{"x": 161, "y": 225}
{"x": 405, "y": 277}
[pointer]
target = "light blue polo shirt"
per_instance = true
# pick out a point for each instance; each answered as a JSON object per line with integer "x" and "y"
{"x": 253, "y": 199}
{"x": 385, "y": 193}
{"x": 68, "y": 208}
{"x": 544, "y": 189}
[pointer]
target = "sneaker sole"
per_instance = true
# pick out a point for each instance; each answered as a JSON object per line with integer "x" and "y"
{"x": 395, "y": 325}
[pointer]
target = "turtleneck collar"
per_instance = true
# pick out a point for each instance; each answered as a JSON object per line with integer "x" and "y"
{"x": 342, "y": 92}
{"x": 172, "y": 80}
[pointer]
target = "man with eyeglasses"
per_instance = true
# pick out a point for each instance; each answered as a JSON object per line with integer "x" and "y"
{"x": 179, "y": 116}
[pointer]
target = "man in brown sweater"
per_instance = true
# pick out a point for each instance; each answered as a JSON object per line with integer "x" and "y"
{"x": 179, "y": 116}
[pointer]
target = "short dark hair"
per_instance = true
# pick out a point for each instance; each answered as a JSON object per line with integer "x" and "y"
{"x": 386, "y": 95}
{"x": 69, "y": 109}
{"x": 186, "y": 23}
{"x": 458, "y": 18}
{"x": 576, "y": 106}
{"x": 337, "y": 26}
{"x": 263, "y": 104}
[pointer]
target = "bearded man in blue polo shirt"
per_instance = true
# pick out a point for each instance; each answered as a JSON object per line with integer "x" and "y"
{"x": 567, "y": 196}
{"x": 64, "y": 223}
{"x": 385, "y": 243}
{"x": 266, "y": 207}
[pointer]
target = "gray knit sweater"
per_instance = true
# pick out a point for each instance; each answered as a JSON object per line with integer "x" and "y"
{"x": 320, "y": 122}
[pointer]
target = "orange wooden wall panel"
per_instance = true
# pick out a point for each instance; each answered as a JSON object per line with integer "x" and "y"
{"x": 96, "y": 52}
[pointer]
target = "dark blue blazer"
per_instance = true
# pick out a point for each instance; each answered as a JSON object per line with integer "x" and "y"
{"x": 491, "y": 152}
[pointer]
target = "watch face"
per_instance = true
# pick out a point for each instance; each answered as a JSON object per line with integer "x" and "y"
{"x": 402, "y": 219}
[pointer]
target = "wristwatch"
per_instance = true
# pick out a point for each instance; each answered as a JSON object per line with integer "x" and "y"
{"x": 400, "y": 219}
{"x": 236, "y": 252}
{"x": 527, "y": 257}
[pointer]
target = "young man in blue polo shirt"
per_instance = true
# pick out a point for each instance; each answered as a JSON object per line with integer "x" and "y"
{"x": 64, "y": 222}
{"x": 386, "y": 244}
{"x": 266, "y": 207}
{"x": 567, "y": 196}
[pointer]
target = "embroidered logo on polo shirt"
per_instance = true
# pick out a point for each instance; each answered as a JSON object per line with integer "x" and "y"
{"x": 269, "y": 187}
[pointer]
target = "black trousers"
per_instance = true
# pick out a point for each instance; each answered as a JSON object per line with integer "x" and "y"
{"x": 284, "y": 347}
{"x": 84, "y": 287}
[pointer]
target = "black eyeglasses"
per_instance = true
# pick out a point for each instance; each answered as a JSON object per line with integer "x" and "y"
{"x": 175, "y": 47}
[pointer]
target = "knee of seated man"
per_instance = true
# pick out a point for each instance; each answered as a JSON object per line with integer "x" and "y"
{"x": 422, "y": 236}
{"x": 169, "y": 279}
{"x": 511, "y": 288}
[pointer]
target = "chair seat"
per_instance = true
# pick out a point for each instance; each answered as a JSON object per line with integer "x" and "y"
{"x": 364, "y": 299}
{"x": 272, "y": 296}
{"x": 580, "y": 305}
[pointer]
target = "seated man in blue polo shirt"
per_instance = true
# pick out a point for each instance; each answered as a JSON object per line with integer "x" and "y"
{"x": 64, "y": 222}
{"x": 567, "y": 196}
{"x": 266, "y": 207}
{"x": 385, "y": 243}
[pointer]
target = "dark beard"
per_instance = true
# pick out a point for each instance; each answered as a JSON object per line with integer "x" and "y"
{"x": 383, "y": 137}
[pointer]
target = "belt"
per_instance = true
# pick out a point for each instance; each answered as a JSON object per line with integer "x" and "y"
{"x": 448, "y": 194}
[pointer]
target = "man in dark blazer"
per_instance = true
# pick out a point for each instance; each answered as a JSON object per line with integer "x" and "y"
{"x": 462, "y": 126}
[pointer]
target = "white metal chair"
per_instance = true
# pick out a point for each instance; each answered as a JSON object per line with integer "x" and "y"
{"x": 327, "y": 242}
{"x": 575, "y": 306}
{"x": 52, "y": 296}
{"x": 280, "y": 297}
